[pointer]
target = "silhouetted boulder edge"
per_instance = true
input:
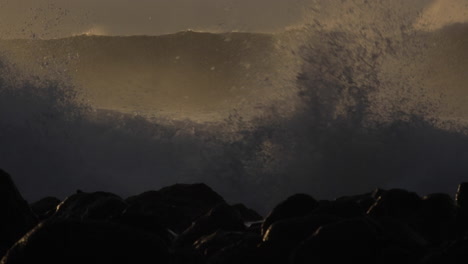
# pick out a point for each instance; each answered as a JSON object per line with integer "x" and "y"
{"x": 191, "y": 223}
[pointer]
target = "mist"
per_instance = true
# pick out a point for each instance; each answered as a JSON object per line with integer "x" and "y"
{"x": 340, "y": 102}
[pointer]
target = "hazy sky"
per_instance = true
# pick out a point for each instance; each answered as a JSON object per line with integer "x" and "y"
{"x": 59, "y": 18}
{"x": 55, "y": 18}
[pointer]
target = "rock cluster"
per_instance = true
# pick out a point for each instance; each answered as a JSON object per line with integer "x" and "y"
{"x": 190, "y": 223}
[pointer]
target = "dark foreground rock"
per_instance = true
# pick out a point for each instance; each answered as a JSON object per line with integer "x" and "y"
{"x": 176, "y": 206}
{"x": 45, "y": 207}
{"x": 222, "y": 217}
{"x": 192, "y": 224}
{"x": 295, "y": 206}
{"x": 16, "y": 216}
{"x": 91, "y": 206}
{"x": 70, "y": 241}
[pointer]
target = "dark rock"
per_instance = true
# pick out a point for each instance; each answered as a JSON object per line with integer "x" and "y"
{"x": 255, "y": 227}
{"x": 285, "y": 235}
{"x": 295, "y": 206}
{"x": 396, "y": 203}
{"x": 436, "y": 218}
{"x": 364, "y": 201}
{"x": 462, "y": 195}
{"x": 146, "y": 223}
{"x": 290, "y": 232}
{"x": 176, "y": 206}
{"x": 222, "y": 217}
{"x": 377, "y": 193}
{"x": 17, "y": 218}
{"x": 349, "y": 241}
{"x": 344, "y": 208}
{"x": 401, "y": 242}
{"x": 210, "y": 244}
{"x": 461, "y": 199}
{"x": 247, "y": 214}
{"x": 45, "y": 207}
{"x": 244, "y": 250}
{"x": 57, "y": 241}
{"x": 453, "y": 253}
{"x": 91, "y": 206}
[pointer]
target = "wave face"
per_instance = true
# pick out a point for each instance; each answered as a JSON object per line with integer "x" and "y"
{"x": 334, "y": 107}
{"x": 181, "y": 73}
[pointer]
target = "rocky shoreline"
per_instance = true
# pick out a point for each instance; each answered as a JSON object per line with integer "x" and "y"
{"x": 191, "y": 223}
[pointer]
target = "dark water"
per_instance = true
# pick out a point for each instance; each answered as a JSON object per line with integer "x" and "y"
{"x": 366, "y": 108}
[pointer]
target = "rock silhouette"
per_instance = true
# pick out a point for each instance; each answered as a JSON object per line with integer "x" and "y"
{"x": 176, "y": 206}
{"x": 192, "y": 224}
{"x": 16, "y": 218}
{"x": 70, "y": 241}
{"x": 45, "y": 207}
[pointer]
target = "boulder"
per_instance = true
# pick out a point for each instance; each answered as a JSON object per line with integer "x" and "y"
{"x": 461, "y": 200}
{"x": 222, "y": 217}
{"x": 16, "y": 218}
{"x": 211, "y": 244}
{"x": 453, "y": 253}
{"x": 292, "y": 231}
{"x": 344, "y": 208}
{"x": 461, "y": 197}
{"x": 397, "y": 204}
{"x": 91, "y": 206}
{"x": 295, "y": 206}
{"x": 349, "y": 241}
{"x": 247, "y": 214}
{"x": 176, "y": 206}
{"x": 145, "y": 223}
{"x": 57, "y": 241}
{"x": 45, "y": 207}
{"x": 242, "y": 249}
{"x": 283, "y": 236}
{"x": 436, "y": 218}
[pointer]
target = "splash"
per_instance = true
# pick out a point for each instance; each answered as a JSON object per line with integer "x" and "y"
{"x": 347, "y": 102}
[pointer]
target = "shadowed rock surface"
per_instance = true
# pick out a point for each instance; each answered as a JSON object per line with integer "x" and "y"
{"x": 45, "y": 207}
{"x": 192, "y": 224}
{"x": 294, "y": 206}
{"x": 70, "y": 241}
{"x": 221, "y": 217}
{"x": 176, "y": 206}
{"x": 247, "y": 214}
{"x": 16, "y": 218}
{"x": 92, "y": 206}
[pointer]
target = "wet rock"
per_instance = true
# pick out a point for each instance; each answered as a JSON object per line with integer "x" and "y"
{"x": 285, "y": 235}
{"x": 244, "y": 250}
{"x": 377, "y": 193}
{"x": 247, "y": 214}
{"x": 349, "y": 241}
{"x": 396, "y": 203}
{"x": 57, "y": 241}
{"x": 45, "y": 207}
{"x": 290, "y": 232}
{"x": 210, "y": 244}
{"x": 176, "y": 206}
{"x": 364, "y": 201}
{"x": 401, "y": 243}
{"x": 453, "y": 253}
{"x": 222, "y": 217}
{"x": 461, "y": 199}
{"x": 16, "y": 217}
{"x": 295, "y": 206}
{"x": 146, "y": 223}
{"x": 91, "y": 206}
{"x": 344, "y": 208}
{"x": 255, "y": 227}
{"x": 436, "y": 218}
